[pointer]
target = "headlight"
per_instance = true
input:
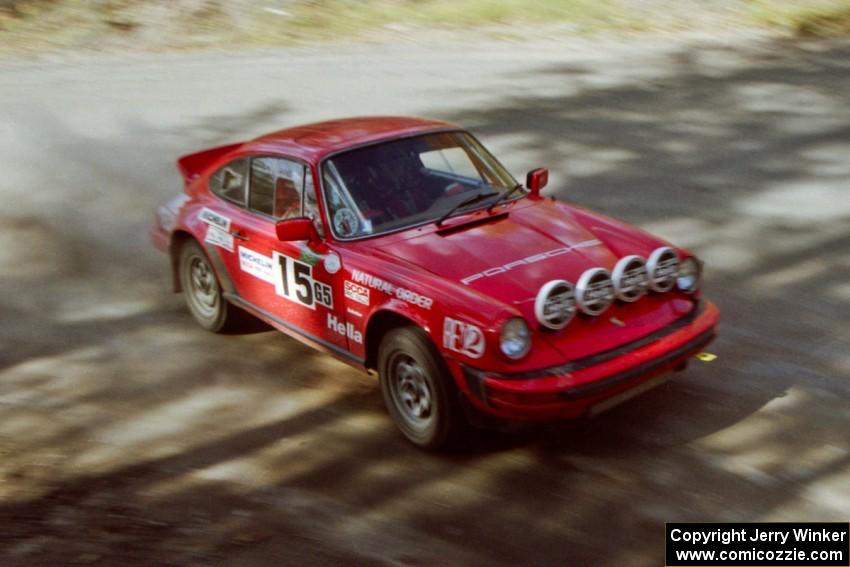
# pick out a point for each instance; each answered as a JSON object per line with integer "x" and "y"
{"x": 555, "y": 304}
{"x": 688, "y": 278}
{"x": 515, "y": 338}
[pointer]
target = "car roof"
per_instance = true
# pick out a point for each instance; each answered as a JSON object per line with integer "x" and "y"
{"x": 314, "y": 141}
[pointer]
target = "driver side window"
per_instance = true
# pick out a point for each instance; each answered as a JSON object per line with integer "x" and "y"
{"x": 276, "y": 186}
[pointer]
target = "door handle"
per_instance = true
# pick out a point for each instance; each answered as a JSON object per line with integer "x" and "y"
{"x": 239, "y": 235}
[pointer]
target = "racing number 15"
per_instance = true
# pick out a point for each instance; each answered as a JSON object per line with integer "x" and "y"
{"x": 294, "y": 281}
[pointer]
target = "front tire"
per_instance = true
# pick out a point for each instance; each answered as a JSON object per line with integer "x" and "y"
{"x": 201, "y": 289}
{"x": 417, "y": 388}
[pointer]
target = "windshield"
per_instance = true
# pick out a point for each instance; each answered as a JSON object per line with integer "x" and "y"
{"x": 402, "y": 183}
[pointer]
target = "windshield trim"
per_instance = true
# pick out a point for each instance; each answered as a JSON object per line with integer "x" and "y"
{"x": 466, "y": 210}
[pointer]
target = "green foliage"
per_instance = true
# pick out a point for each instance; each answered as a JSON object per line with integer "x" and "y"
{"x": 812, "y": 18}
{"x": 347, "y": 18}
{"x": 43, "y": 25}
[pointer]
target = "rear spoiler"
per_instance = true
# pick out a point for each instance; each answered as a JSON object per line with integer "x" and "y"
{"x": 191, "y": 165}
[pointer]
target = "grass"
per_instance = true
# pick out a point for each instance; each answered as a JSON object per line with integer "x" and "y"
{"x": 807, "y": 18}
{"x": 323, "y": 19}
{"x": 39, "y": 25}
{"x": 47, "y": 25}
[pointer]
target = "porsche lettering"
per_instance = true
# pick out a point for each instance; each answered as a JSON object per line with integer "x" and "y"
{"x": 495, "y": 271}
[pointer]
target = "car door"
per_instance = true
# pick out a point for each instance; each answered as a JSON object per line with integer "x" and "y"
{"x": 288, "y": 281}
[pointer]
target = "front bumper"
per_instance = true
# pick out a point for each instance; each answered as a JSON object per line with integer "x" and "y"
{"x": 582, "y": 386}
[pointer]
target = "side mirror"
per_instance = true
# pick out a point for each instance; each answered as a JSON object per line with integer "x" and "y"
{"x": 537, "y": 180}
{"x": 301, "y": 228}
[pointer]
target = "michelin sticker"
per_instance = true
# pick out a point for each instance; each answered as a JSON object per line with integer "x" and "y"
{"x": 462, "y": 337}
{"x": 256, "y": 264}
{"x": 212, "y": 218}
{"x": 357, "y": 293}
{"x": 401, "y": 293}
{"x": 219, "y": 237}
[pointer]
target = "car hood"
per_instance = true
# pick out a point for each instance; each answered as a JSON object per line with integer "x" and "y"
{"x": 509, "y": 256}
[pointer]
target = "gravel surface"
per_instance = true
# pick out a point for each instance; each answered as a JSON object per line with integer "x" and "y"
{"x": 129, "y": 436}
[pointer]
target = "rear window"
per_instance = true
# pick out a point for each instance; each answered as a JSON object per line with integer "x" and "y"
{"x": 229, "y": 182}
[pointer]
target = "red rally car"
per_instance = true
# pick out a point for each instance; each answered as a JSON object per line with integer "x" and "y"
{"x": 402, "y": 245}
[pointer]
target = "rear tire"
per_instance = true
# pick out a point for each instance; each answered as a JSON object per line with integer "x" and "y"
{"x": 202, "y": 290}
{"x": 418, "y": 390}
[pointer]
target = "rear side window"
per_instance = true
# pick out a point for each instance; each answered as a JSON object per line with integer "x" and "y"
{"x": 229, "y": 182}
{"x": 276, "y": 187}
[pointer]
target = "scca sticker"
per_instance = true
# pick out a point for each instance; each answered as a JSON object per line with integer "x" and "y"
{"x": 462, "y": 337}
{"x": 293, "y": 280}
{"x": 357, "y": 292}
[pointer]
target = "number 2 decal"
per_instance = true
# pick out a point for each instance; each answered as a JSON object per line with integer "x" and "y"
{"x": 294, "y": 281}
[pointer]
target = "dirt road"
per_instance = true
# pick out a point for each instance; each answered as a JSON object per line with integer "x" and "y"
{"x": 128, "y": 436}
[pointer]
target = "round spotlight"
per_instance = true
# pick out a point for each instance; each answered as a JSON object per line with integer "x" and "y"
{"x": 555, "y": 304}
{"x": 630, "y": 278}
{"x": 594, "y": 291}
{"x": 663, "y": 267}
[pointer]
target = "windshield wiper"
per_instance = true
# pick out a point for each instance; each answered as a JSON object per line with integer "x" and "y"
{"x": 505, "y": 196}
{"x": 468, "y": 201}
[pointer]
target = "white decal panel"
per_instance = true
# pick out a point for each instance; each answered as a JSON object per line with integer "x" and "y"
{"x": 294, "y": 281}
{"x": 219, "y": 237}
{"x": 357, "y": 292}
{"x": 401, "y": 293}
{"x": 256, "y": 264}
{"x": 465, "y": 338}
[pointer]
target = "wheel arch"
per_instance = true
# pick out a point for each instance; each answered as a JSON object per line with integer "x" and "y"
{"x": 380, "y": 323}
{"x": 178, "y": 238}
